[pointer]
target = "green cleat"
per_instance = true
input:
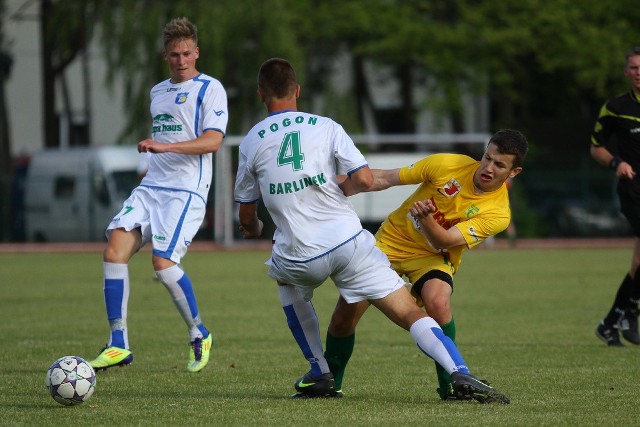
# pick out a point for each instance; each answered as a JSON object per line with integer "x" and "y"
{"x": 199, "y": 350}
{"x": 110, "y": 357}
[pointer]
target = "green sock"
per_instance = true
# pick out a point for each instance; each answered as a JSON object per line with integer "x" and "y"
{"x": 444, "y": 379}
{"x": 338, "y": 353}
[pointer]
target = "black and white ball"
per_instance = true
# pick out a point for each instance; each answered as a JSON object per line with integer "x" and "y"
{"x": 71, "y": 380}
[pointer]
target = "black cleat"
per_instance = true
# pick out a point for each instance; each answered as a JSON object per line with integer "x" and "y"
{"x": 466, "y": 386}
{"x": 450, "y": 394}
{"x": 628, "y": 325}
{"x": 309, "y": 386}
{"x": 336, "y": 394}
{"x": 608, "y": 335}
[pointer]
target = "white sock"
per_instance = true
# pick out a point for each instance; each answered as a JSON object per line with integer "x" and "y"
{"x": 435, "y": 344}
{"x": 303, "y": 322}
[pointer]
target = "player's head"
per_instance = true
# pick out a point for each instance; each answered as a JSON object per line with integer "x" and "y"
{"x": 181, "y": 51}
{"x": 508, "y": 141}
{"x": 632, "y": 67}
{"x": 179, "y": 29}
{"x": 277, "y": 81}
{"x": 502, "y": 160}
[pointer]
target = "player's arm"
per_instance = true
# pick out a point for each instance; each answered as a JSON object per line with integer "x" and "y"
{"x": 381, "y": 179}
{"x": 603, "y": 156}
{"x": 438, "y": 236}
{"x": 209, "y": 142}
{"x": 250, "y": 225}
{"x": 356, "y": 182}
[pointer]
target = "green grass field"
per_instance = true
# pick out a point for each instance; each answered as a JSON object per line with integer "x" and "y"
{"x": 525, "y": 321}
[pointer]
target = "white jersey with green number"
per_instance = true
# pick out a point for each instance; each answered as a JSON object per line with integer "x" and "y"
{"x": 182, "y": 112}
{"x": 290, "y": 159}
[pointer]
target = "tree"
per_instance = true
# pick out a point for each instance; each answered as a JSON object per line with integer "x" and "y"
{"x": 65, "y": 32}
{"x": 234, "y": 38}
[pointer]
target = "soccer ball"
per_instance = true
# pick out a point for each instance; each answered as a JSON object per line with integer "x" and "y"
{"x": 70, "y": 380}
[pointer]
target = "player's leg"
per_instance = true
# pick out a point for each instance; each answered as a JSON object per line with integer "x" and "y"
{"x": 303, "y": 324}
{"x": 177, "y": 282}
{"x": 176, "y": 222}
{"x": 628, "y": 293}
{"x": 629, "y": 322}
{"x": 120, "y": 248}
{"x": 435, "y": 289}
{"x": 427, "y": 334}
{"x": 303, "y": 321}
{"x": 341, "y": 336}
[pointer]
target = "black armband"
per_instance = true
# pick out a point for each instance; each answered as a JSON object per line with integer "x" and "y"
{"x": 613, "y": 164}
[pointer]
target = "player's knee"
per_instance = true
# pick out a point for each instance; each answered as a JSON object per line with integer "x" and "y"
{"x": 114, "y": 255}
{"x": 439, "y": 308}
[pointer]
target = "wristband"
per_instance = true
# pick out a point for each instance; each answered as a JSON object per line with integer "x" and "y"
{"x": 613, "y": 164}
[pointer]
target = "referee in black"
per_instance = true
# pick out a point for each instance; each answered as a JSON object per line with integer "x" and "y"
{"x": 619, "y": 122}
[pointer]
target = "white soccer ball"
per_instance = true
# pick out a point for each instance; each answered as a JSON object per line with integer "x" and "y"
{"x": 70, "y": 380}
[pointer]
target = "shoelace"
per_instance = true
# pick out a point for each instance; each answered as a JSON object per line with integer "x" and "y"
{"x": 197, "y": 348}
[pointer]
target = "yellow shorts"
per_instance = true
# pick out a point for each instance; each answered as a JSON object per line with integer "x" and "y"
{"x": 416, "y": 266}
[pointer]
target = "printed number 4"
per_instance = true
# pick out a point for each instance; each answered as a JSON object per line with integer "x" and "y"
{"x": 290, "y": 151}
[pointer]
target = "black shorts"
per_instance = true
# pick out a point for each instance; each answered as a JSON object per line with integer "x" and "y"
{"x": 629, "y": 194}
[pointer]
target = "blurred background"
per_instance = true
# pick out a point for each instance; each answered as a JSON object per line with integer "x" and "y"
{"x": 404, "y": 77}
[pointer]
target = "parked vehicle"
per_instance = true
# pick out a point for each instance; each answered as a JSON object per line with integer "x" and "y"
{"x": 71, "y": 194}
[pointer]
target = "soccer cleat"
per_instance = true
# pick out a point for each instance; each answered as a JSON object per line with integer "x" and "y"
{"x": 110, "y": 357}
{"x": 324, "y": 386}
{"x": 628, "y": 325}
{"x": 450, "y": 394}
{"x": 336, "y": 394}
{"x": 199, "y": 350}
{"x": 608, "y": 335}
{"x": 466, "y": 386}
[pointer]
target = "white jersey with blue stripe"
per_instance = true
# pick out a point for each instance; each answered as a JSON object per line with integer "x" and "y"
{"x": 291, "y": 159}
{"x": 181, "y": 112}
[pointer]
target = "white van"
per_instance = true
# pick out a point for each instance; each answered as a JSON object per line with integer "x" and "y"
{"x": 71, "y": 194}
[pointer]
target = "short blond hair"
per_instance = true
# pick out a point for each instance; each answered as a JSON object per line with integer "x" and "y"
{"x": 179, "y": 29}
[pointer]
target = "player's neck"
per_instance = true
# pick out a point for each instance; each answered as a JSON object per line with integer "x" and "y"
{"x": 281, "y": 105}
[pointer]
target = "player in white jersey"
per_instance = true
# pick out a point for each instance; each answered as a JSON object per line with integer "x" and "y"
{"x": 290, "y": 159}
{"x": 189, "y": 112}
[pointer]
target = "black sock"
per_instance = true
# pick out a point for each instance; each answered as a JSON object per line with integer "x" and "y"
{"x": 621, "y": 302}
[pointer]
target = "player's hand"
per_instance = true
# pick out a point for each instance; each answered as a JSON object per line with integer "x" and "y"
{"x": 624, "y": 170}
{"x": 150, "y": 146}
{"x": 422, "y": 209}
{"x": 253, "y": 233}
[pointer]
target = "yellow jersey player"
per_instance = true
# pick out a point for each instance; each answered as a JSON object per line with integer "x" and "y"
{"x": 460, "y": 203}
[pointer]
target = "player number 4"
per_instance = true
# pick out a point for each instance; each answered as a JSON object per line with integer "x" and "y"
{"x": 290, "y": 151}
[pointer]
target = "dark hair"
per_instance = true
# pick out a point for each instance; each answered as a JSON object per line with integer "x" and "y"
{"x": 179, "y": 29}
{"x": 510, "y": 141}
{"x": 277, "y": 79}
{"x": 634, "y": 51}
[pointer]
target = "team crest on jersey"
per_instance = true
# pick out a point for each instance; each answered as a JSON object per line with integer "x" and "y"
{"x": 451, "y": 188}
{"x": 181, "y": 98}
{"x": 471, "y": 211}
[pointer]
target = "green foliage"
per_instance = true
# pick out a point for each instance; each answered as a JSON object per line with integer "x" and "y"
{"x": 509, "y": 49}
{"x": 525, "y": 321}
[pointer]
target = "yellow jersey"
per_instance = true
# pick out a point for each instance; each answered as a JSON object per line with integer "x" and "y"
{"x": 446, "y": 179}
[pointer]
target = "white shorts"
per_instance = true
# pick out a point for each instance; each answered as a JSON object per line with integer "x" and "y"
{"x": 167, "y": 218}
{"x": 358, "y": 268}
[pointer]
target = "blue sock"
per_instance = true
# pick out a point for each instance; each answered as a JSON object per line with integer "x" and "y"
{"x": 116, "y": 297}
{"x": 303, "y": 323}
